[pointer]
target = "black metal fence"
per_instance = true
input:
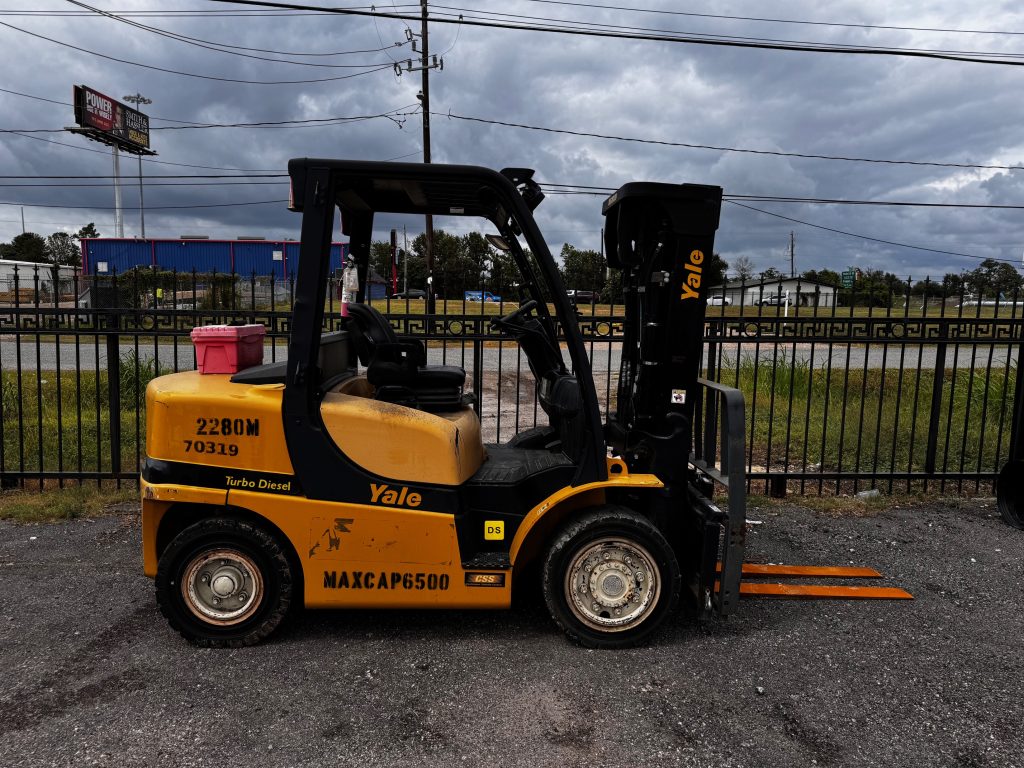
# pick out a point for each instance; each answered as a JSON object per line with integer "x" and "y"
{"x": 917, "y": 394}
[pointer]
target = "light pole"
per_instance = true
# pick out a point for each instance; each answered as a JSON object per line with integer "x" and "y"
{"x": 138, "y": 100}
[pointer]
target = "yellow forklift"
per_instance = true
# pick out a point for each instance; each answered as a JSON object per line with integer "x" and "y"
{"x": 323, "y": 483}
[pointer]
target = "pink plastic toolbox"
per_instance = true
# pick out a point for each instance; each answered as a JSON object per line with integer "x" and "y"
{"x": 228, "y": 348}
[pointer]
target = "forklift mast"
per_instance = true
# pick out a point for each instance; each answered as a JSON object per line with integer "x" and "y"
{"x": 662, "y": 237}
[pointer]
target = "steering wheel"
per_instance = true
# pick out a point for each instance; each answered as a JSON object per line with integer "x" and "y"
{"x": 513, "y": 320}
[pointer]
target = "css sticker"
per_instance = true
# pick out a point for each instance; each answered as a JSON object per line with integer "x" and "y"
{"x": 494, "y": 530}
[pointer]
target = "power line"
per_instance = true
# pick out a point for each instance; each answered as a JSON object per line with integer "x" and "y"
{"x": 188, "y": 124}
{"x": 309, "y": 123}
{"x": 869, "y": 237}
{"x": 189, "y": 13}
{"x": 193, "y": 74}
{"x": 578, "y": 189}
{"x": 180, "y": 184}
{"x": 552, "y": 188}
{"x": 164, "y": 176}
{"x": 211, "y": 46}
{"x": 148, "y": 207}
{"x": 664, "y": 38}
{"x": 574, "y": 24}
{"x": 316, "y": 122}
{"x": 145, "y": 159}
{"x": 776, "y": 21}
{"x": 206, "y": 14}
{"x": 686, "y": 145}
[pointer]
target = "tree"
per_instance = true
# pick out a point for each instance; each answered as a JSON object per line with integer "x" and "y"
{"x": 380, "y": 260}
{"x": 61, "y": 249}
{"x": 744, "y": 268}
{"x": 459, "y": 262}
{"x": 952, "y": 284}
{"x": 824, "y": 276}
{"x": 771, "y": 274}
{"x": 27, "y": 246}
{"x": 582, "y": 270}
{"x": 504, "y": 275}
{"x": 714, "y": 272}
{"x": 89, "y": 230}
{"x": 993, "y": 278}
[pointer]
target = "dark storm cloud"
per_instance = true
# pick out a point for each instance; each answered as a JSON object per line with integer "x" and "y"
{"x": 874, "y": 107}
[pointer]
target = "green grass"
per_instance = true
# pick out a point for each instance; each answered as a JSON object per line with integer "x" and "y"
{"x": 43, "y": 428}
{"x": 829, "y": 421}
{"x": 61, "y": 503}
{"x": 852, "y": 420}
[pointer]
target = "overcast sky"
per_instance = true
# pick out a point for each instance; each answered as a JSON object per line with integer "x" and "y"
{"x": 880, "y": 107}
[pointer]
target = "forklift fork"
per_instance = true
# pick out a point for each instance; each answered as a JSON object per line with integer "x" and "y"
{"x": 719, "y": 456}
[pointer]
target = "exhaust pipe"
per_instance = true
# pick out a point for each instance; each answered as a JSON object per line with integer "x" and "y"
{"x": 1010, "y": 493}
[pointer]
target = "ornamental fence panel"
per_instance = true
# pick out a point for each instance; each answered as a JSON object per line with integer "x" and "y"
{"x": 917, "y": 394}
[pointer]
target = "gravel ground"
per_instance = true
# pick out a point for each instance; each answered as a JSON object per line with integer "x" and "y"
{"x": 92, "y": 675}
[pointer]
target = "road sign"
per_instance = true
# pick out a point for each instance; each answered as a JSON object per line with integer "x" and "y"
{"x": 849, "y": 277}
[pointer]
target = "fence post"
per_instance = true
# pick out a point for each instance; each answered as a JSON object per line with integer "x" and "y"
{"x": 933, "y": 422}
{"x": 478, "y": 372}
{"x": 114, "y": 391}
{"x": 1016, "y": 422}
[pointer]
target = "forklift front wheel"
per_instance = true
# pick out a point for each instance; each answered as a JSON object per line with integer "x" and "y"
{"x": 610, "y": 578}
{"x": 224, "y": 583}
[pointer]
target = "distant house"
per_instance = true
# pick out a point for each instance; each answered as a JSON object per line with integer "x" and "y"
{"x": 779, "y": 291}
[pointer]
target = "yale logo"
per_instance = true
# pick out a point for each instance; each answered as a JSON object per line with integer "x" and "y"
{"x": 694, "y": 270}
{"x": 494, "y": 530}
{"x": 384, "y": 494}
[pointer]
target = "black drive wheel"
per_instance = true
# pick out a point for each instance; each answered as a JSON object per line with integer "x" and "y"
{"x": 610, "y": 578}
{"x": 1010, "y": 493}
{"x": 224, "y": 583}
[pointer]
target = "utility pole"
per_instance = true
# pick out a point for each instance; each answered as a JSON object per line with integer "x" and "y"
{"x": 425, "y": 75}
{"x": 425, "y": 64}
{"x": 792, "y": 254}
{"x": 23, "y": 219}
{"x": 138, "y": 100}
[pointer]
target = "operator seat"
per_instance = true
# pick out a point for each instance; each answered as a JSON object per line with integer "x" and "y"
{"x": 398, "y": 369}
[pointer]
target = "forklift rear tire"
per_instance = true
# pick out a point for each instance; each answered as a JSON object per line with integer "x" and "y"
{"x": 224, "y": 583}
{"x": 610, "y": 578}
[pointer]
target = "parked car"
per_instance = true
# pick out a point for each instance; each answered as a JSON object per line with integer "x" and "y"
{"x": 410, "y": 293}
{"x": 774, "y": 300}
{"x": 481, "y": 296}
{"x": 719, "y": 301}
{"x": 586, "y": 297}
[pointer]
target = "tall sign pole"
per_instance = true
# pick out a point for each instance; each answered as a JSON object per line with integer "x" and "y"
{"x": 118, "y": 213}
{"x": 138, "y": 100}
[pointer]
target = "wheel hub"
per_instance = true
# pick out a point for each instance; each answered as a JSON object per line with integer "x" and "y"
{"x": 612, "y": 584}
{"x": 222, "y": 587}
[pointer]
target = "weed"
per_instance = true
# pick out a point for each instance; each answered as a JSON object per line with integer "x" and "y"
{"x": 61, "y": 503}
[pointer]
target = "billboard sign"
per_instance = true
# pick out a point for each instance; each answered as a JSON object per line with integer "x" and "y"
{"x": 110, "y": 121}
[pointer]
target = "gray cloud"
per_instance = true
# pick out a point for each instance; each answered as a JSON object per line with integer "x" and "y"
{"x": 881, "y": 107}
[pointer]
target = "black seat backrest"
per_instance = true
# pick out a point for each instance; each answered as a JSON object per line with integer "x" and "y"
{"x": 372, "y": 330}
{"x": 559, "y": 396}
